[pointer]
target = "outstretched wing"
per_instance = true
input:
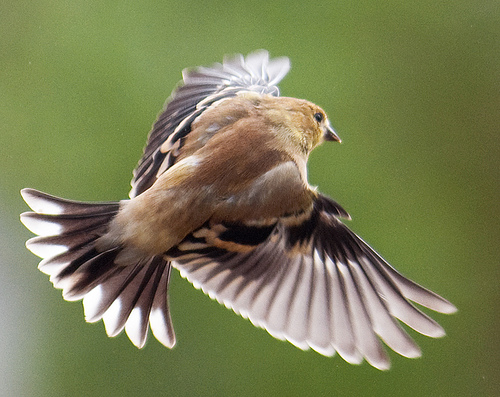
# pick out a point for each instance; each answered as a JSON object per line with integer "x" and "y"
{"x": 317, "y": 285}
{"x": 200, "y": 88}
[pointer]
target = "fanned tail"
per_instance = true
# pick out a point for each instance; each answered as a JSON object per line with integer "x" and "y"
{"x": 129, "y": 297}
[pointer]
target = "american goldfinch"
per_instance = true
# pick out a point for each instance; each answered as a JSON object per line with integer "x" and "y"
{"x": 221, "y": 194}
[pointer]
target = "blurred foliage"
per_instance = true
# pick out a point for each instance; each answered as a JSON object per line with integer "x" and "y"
{"x": 412, "y": 89}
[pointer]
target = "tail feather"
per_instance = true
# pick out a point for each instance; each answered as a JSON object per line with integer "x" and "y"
{"x": 134, "y": 303}
{"x": 125, "y": 297}
{"x": 50, "y": 224}
{"x": 43, "y": 203}
{"x": 86, "y": 273}
{"x": 115, "y": 301}
{"x": 137, "y": 330}
{"x": 57, "y": 264}
{"x": 50, "y": 246}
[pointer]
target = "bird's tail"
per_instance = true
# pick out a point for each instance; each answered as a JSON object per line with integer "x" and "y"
{"x": 130, "y": 297}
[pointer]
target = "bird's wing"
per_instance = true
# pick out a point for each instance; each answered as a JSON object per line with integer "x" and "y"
{"x": 200, "y": 88}
{"x": 316, "y": 285}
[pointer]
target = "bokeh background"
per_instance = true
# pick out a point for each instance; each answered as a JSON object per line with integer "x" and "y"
{"x": 411, "y": 87}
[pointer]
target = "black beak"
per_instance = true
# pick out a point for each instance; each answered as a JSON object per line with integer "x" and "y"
{"x": 331, "y": 135}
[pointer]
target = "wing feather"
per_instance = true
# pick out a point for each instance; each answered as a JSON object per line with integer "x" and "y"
{"x": 200, "y": 88}
{"x": 319, "y": 286}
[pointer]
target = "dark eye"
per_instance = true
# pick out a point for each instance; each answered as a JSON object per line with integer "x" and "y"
{"x": 318, "y": 117}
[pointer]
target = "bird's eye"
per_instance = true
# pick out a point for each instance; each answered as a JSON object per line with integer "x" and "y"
{"x": 318, "y": 117}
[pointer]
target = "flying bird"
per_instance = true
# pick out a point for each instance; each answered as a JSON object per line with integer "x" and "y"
{"x": 221, "y": 194}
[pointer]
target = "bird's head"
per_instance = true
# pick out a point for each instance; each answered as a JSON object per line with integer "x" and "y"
{"x": 306, "y": 123}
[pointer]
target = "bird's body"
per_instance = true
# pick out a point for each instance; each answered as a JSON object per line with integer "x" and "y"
{"x": 258, "y": 176}
{"x": 221, "y": 193}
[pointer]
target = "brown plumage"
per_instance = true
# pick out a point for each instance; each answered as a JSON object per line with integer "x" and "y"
{"x": 221, "y": 194}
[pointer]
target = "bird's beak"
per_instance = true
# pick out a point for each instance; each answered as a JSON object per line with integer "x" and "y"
{"x": 330, "y": 134}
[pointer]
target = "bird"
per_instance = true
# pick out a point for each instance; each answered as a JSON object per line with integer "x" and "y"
{"x": 221, "y": 194}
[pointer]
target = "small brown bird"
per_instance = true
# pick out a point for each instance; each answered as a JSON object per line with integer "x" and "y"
{"x": 221, "y": 194}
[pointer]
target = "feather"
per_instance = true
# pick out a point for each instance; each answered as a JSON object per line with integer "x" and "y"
{"x": 318, "y": 286}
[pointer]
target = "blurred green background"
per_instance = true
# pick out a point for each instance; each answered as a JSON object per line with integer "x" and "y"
{"x": 412, "y": 89}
